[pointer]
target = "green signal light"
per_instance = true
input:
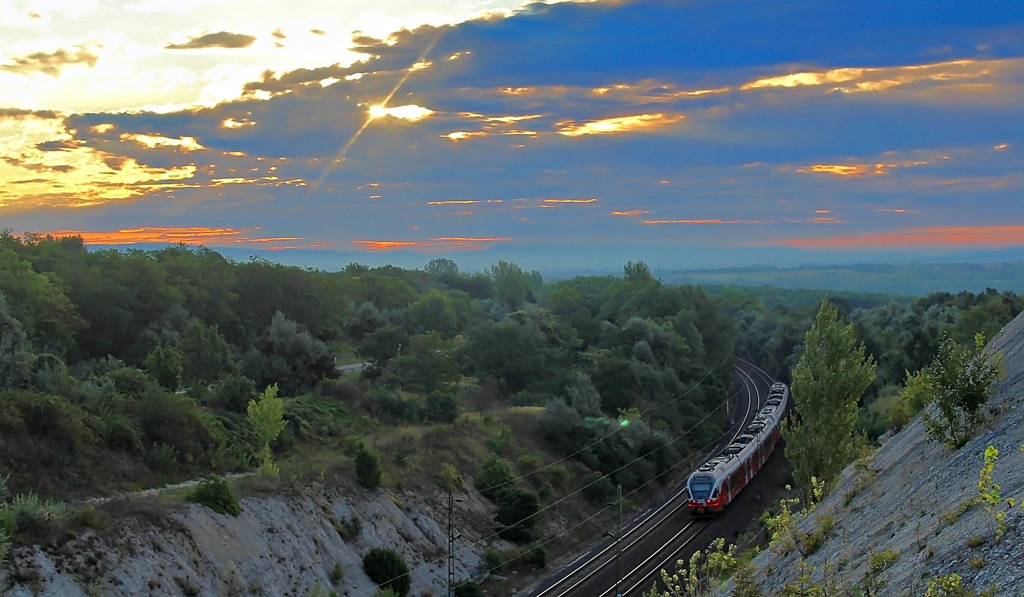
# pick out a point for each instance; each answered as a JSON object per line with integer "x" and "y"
{"x": 623, "y": 422}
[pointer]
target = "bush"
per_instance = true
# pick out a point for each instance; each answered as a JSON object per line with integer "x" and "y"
{"x": 386, "y": 568}
{"x": 517, "y": 511}
{"x": 494, "y": 475}
{"x": 449, "y": 478}
{"x": 597, "y": 488}
{"x": 494, "y": 560}
{"x": 441, "y": 408}
{"x": 368, "y": 472}
{"x": 215, "y": 494}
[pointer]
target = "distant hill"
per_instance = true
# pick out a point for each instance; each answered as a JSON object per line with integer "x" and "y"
{"x": 914, "y": 279}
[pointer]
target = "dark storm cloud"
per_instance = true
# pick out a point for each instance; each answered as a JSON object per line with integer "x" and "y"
{"x": 20, "y": 114}
{"x": 220, "y": 39}
{"x": 50, "y": 63}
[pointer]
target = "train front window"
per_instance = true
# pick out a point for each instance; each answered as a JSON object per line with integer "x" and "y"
{"x": 700, "y": 488}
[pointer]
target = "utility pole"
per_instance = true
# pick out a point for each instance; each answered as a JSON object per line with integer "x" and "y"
{"x": 618, "y": 544}
{"x": 451, "y": 545}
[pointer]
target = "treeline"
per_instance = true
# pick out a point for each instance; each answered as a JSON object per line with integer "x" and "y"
{"x": 902, "y": 333}
{"x": 126, "y": 368}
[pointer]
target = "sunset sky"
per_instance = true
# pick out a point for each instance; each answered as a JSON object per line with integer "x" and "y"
{"x": 688, "y": 133}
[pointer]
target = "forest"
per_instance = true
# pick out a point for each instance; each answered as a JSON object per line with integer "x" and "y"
{"x": 128, "y": 369}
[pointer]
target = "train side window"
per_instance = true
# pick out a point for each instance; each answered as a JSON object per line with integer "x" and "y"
{"x": 714, "y": 494}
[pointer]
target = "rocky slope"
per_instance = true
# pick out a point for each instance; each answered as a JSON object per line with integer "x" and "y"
{"x": 909, "y": 498}
{"x": 279, "y": 545}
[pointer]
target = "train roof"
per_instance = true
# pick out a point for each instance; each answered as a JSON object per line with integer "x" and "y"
{"x": 767, "y": 419}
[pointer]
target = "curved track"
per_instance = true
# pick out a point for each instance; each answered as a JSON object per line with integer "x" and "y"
{"x": 653, "y": 540}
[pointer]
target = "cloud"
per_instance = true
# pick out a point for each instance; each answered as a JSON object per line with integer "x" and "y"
{"x": 50, "y": 63}
{"x": 641, "y": 123}
{"x": 193, "y": 235}
{"x": 935, "y": 236}
{"x": 431, "y": 245}
{"x": 220, "y": 39}
{"x": 22, "y": 114}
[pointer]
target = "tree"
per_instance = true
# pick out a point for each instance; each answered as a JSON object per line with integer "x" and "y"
{"x": 382, "y": 345}
{"x": 288, "y": 356}
{"x": 494, "y": 475}
{"x": 428, "y": 366}
{"x": 15, "y": 357}
{"x": 959, "y": 383}
{"x": 164, "y": 365}
{"x": 267, "y": 417}
{"x": 828, "y": 381}
{"x": 368, "y": 472}
{"x": 583, "y": 396}
{"x": 386, "y": 568}
{"x": 205, "y": 354}
{"x": 517, "y": 512}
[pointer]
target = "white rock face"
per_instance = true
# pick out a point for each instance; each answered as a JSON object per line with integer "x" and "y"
{"x": 907, "y": 506}
{"x": 279, "y": 545}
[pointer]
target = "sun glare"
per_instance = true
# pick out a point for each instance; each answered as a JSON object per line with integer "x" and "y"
{"x": 407, "y": 112}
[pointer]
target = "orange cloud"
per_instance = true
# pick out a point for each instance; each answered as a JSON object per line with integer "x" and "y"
{"x": 863, "y": 80}
{"x": 195, "y": 235}
{"x": 878, "y": 169}
{"x": 621, "y": 124}
{"x": 701, "y": 222}
{"x": 438, "y": 243}
{"x": 974, "y": 236}
{"x": 590, "y": 200}
{"x": 632, "y": 212}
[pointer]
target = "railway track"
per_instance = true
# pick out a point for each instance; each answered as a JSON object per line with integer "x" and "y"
{"x": 655, "y": 539}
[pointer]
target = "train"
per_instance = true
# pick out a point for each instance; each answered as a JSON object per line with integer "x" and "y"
{"x": 718, "y": 481}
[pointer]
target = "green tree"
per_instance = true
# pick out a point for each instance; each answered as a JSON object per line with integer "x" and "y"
{"x": 368, "y": 471}
{"x": 517, "y": 512}
{"x": 429, "y": 365}
{"x": 15, "y": 356}
{"x": 435, "y": 311}
{"x": 828, "y": 381}
{"x": 267, "y": 418}
{"x": 206, "y": 355}
{"x": 494, "y": 475}
{"x": 288, "y": 356}
{"x": 959, "y": 382}
{"x": 382, "y": 345}
{"x": 164, "y": 365}
{"x": 583, "y": 396}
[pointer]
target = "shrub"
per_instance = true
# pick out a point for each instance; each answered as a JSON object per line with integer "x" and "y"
{"x": 495, "y": 474}
{"x": 517, "y": 511}
{"x": 497, "y": 443}
{"x": 441, "y": 408}
{"x": 337, "y": 573}
{"x": 368, "y": 472}
{"x": 559, "y": 475}
{"x": 597, "y": 488}
{"x": 468, "y": 588}
{"x": 494, "y": 560}
{"x": 215, "y": 493}
{"x": 449, "y": 478}
{"x": 386, "y": 568}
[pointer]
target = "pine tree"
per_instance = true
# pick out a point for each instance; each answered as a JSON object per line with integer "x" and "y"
{"x": 828, "y": 381}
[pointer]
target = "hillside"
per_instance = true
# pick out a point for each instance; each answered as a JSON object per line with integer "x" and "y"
{"x": 907, "y": 499}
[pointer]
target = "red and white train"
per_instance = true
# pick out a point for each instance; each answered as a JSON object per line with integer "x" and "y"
{"x": 719, "y": 480}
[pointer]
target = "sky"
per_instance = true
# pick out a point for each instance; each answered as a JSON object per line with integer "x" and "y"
{"x": 688, "y": 133}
